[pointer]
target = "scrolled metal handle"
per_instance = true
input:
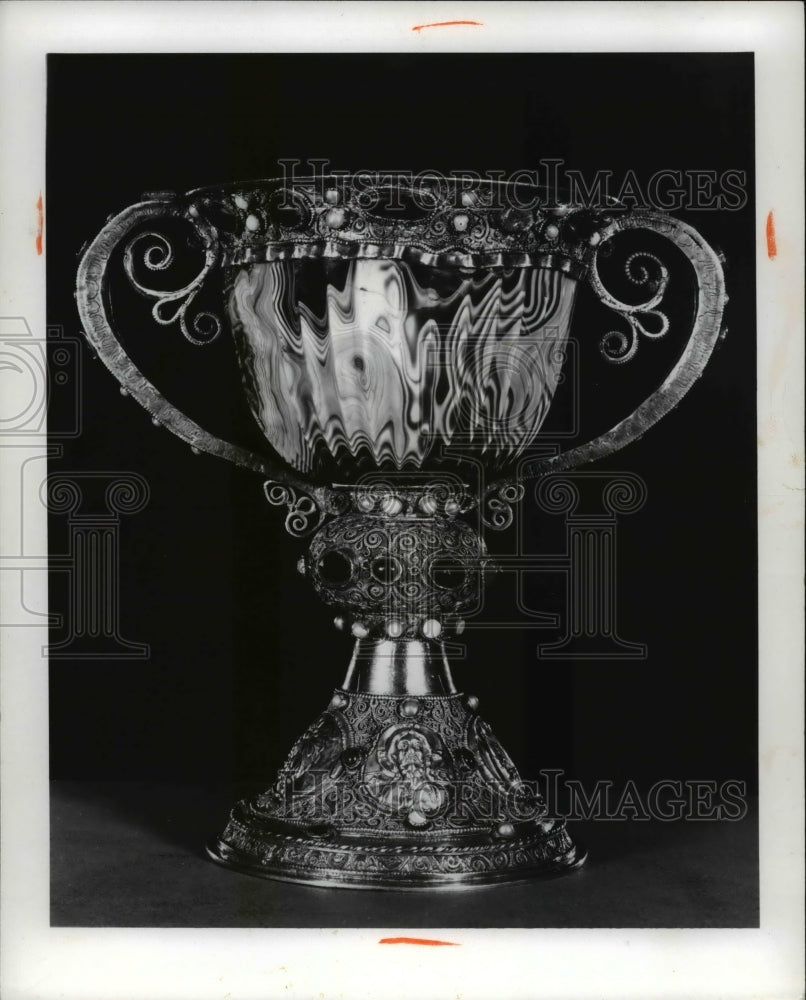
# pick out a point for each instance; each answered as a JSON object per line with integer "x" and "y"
{"x": 91, "y": 293}
{"x": 618, "y": 347}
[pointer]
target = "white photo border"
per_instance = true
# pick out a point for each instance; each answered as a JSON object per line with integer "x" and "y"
{"x": 121, "y": 964}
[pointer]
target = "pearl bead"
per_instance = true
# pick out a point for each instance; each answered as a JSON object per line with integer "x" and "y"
{"x": 410, "y": 708}
{"x": 394, "y": 629}
{"x": 552, "y": 232}
{"x": 252, "y": 223}
{"x": 336, "y": 218}
{"x": 460, "y": 222}
{"x": 472, "y": 702}
{"x": 428, "y": 504}
{"x": 301, "y": 566}
{"x": 391, "y": 506}
{"x": 359, "y": 630}
{"x": 339, "y": 622}
{"x": 241, "y": 202}
{"x": 506, "y": 830}
{"x": 431, "y": 628}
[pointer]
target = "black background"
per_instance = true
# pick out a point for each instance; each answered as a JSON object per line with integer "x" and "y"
{"x": 243, "y": 655}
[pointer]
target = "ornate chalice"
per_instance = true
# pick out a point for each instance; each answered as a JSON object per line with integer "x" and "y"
{"x": 399, "y": 350}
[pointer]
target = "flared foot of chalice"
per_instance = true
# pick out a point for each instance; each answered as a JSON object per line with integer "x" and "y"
{"x": 400, "y": 782}
{"x": 400, "y": 351}
{"x": 423, "y": 795}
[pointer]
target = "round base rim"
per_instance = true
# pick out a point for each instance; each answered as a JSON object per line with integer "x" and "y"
{"x": 228, "y": 857}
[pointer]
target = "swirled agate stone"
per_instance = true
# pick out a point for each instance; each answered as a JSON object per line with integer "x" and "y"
{"x": 386, "y": 364}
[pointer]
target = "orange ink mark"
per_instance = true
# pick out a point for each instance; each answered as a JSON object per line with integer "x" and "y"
{"x": 410, "y": 940}
{"x": 772, "y": 249}
{"x": 39, "y": 225}
{"x": 446, "y": 24}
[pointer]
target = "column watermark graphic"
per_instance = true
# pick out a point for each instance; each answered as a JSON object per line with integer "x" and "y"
{"x": 589, "y": 563}
{"x": 93, "y": 504}
{"x": 42, "y": 385}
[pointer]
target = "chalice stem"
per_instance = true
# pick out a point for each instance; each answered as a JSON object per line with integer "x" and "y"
{"x": 407, "y": 667}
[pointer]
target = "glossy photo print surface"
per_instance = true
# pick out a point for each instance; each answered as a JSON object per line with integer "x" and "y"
{"x": 401, "y": 476}
{"x": 471, "y": 600}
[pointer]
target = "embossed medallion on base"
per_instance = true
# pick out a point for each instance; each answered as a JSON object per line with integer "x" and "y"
{"x": 397, "y": 791}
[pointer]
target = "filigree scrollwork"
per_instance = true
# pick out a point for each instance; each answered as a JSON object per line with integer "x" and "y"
{"x": 94, "y": 298}
{"x": 346, "y": 217}
{"x": 410, "y": 568}
{"x": 616, "y": 346}
{"x": 496, "y": 507}
{"x": 155, "y": 252}
{"x": 304, "y": 513}
{"x": 705, "y": 332}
